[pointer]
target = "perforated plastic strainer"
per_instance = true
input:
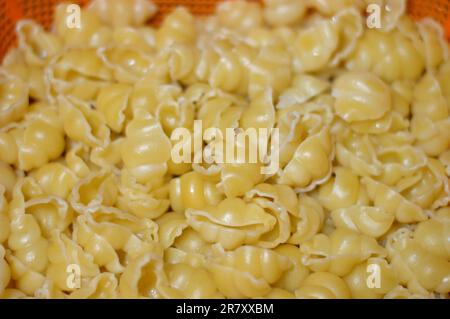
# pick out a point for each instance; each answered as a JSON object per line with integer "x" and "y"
{"x": 42, "y": 11}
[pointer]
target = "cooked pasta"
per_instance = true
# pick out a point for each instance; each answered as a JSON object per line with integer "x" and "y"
{"x": 274, "y": 149}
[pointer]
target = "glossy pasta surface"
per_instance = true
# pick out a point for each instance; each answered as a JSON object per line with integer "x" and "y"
{"x": 93, "y": 203}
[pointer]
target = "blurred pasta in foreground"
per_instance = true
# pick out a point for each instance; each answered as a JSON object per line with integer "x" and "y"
{"x": 360, "y": 205}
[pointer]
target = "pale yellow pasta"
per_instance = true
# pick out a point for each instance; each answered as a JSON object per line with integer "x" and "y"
{"x": 392, "y": 202}
{"x": 5, "y": 273}
{"x": 145, "y": 137}
{"x": 284, "y": 12}
{"x": 63, "y": 252}
{"x": 35, "y": 141}
{"x": 307, "y": 220}
{"x": 13, "y": 99}
{"x": 118, "y": 13}
{"x": 339, "y": 252}
{"x": 323, "y": 285}
{"x": 130, "y": 167}
{"x": 361, "y": 96}
{"x": 391, "y": 56}
{"x": 433, "y": 234}
{"x": 311, "y": 163}
{"x": 191, "y": 282}
{"x": 178, "y": 27}
{"x": 102, "y": 286}
{"x": 314, "y": 46}
{"x": 192, "y": 190}
{"x": 342, "y": 190}
{"x": 361, "y": 284}
{"x": 416, "y": 267}
{"x": 149, "y": 201}
{"x": 303, "y": 88}
{"x": 231, "y": 223}
{"x": 79, "y": 72}
{"x": 247, "y": 271}
{"x": 292, "y": 278}
{"x": 370, "y": 221}
{"x": 98, "y": 188}
{"x": 37, "y": 51}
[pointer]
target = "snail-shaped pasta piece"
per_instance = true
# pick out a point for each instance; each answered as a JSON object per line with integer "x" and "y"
{"x": 37, "y": 44}
{"x": 191, "y": 282}
{"x": 4, "y": 218}
{"x": 177, "y": 63}
{"x": 339, "y": 252}
{"x": 357, "y": 153}
{"x": 177, "y": 27}
{"x": 430, "y": 121}
{"x": 314, "y": 46}
{"x": 400, "y": 292}
{"x": 127, "y": 64}
{"x": 428, "y": 187}
{"x": 35, "y": 141}
{"x": 361, "y": 96}
{"x": 149, "y": 201}
{"x": 444, "y": 158}
{"x": 367, "y": 220}
{"x": 271, "y": 68}
{"x": 5, "y": 273}
{"x": 292, "y": 278}
{"x": 28, "y": 258}
{"x": 433, "y": 234}
{"x": 435, "y": 48}
{"x": 64, "y": 252}
{"x": 98, "y": 188}
{"x": 102, "y": 286}
{"x": 307, "y": 220}
{"x": 350, "y": 26}
{"x": 189, "y": 248}
{"x": 281, "y": 195}
{"x": 323, "y": 285}
{"x": 304, "y": 87}
{"x": 15, "y": 65}
{"x": 391, "y": 56}
{"x": 174, "y": 114}
{"x": 51, "y": 213}
{"x": 82, "y": 123}
{"x": 112, "y": 102}
{"x": 13, "y": 98}
{"x": 146, "y": 148}
{"x": 118, "y": 13}
{"x": 239, "y": 14}
{"x": 192, "y": 190}
{"x": 399, "y": 162}
{"x": 143, "y": 277}
{"x": 311, "y": 163}
{"x": 416, "y": 267}
{"x": 372, "y": 279}
{"x": 342, "y": 190}
{"x": 55, "y": 179}
{"x": 90, "y": 31}
{"x": 107, "y": 157}
{"x": 247, "y": 271}
{"x": 393, "y": 202}
{"x": 260, "y": 113}
{"x": 231, "y": 223}
{"x": 284, "y": 12}
{"x": 79, "y": 73}
{"x": 330, "y": 7}
{"x": 278, "y": 293}
{"x": 170, "y": 226}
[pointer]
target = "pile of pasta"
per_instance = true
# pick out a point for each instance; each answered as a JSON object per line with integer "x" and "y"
{"x": 87, "y": 178}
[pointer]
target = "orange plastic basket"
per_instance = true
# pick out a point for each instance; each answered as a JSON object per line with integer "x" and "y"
{"x": 42, "y": 11}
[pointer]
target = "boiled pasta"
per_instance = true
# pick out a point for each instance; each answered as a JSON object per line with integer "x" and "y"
{"x": 354, "y": 122}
